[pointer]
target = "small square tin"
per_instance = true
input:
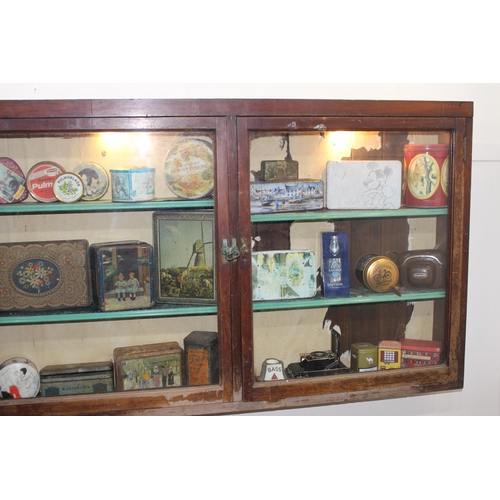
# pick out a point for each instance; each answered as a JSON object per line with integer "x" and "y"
{"x": 122, "y": 275}
{"x": 77, "y": 378}
{"x": 45, "y": 275}
{"x": 283, "y": 274}
{"x": 279, "y": 170}
{"x": 201, "y": 358}
{"x": 363, "y": 357}
{"x": 149, "y": 366}
{"x": 364, "y": 185}
{"x": 287, "y": 196}
{"x": 335, "y": 269}
{"x": 389, "y": 354}
{"x": 416, "y": 352}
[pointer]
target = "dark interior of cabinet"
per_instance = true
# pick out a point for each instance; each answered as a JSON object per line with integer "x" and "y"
{"x": 367, "y": 322}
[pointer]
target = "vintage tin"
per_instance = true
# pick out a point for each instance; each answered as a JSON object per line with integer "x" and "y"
{"x": 40, "y": 180}
{"x": 95, "y": 180}
{"x": 426, "y": 175}
{"x": 389, "y": 354}
{"x": 335, "y": 271}
{"x": 293, "y": 196}
{"x": 279, "y": 170}
{"x": 122, "y": 275}
{"x": 132, "y": 184}
{"x": 415, "y": 352}
{"x": 422, "y": 268}
{"x": 364, "y": 185}
{"x": 19, "y": 378}
{"x": 283, "y": 274}
{"x": 376, "y": 272}
{"x": 201, "y": 358}
{"x": 189, "y": 169}
{"x": 272, "y": 369}
{"x": 44, "y": 275}
{"x": 68, "y": 187}
{"x": 364, "y": 357}
{"x": 150, "y": 366}
{"x": 12, "y": 182}
{"x": 77, "y": 378}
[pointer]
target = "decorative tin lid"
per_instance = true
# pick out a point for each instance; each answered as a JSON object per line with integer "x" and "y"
{"x": 12, "y": 182}
{"x": 40, "y": 180}
{"x": 95, "y": 180}
{"x": 189, "y": 169}
{"x": 380, "y": 274}
{"x": 73, "y": 368}
{"x": 68, "y": 187}
{"x": 19, "y": 378}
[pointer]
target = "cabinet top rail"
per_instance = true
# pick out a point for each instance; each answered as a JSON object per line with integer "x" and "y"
{"x": 94, "y": 108}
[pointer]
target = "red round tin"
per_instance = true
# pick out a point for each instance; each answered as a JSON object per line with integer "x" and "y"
{"x": 40, "y": 180}
{"x": 426, "y": 175}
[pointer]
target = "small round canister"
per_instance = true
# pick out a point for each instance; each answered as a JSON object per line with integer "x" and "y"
{"x": 133, "y": 184}
{"x": 19, "y": 378}
{"x": 426, "y": 175}
{"x": 376, "y": 272}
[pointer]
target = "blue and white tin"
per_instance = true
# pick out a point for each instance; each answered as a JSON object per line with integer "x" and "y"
{"x": 133, "y": 184}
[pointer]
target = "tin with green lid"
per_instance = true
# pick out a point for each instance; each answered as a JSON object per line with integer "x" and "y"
{"x": 363, "y": 357}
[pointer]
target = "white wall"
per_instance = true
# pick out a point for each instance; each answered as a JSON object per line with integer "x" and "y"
{"x": 481, "y": 394}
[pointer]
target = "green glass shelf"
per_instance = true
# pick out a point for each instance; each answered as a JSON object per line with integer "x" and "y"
{"x": 319, "y": 215}
{"x": 102, "y": 206}
{"x": 92, "y": 314}
{"x": 358, "y": 296}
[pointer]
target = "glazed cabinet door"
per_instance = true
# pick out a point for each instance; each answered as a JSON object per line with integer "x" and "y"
{"x": 355, "y": 285}
{"x": 155, "y": 297}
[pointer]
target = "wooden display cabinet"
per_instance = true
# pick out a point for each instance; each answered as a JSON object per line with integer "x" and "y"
{"x": 243, "y": 133}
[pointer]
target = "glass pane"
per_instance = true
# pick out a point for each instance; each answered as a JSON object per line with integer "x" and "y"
{"x": 349, "y": 251}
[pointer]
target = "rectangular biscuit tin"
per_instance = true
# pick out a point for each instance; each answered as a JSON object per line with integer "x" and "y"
{"x": 77, "y": 378}
{"x": 47, "y": 275}
{"x": 286, "y": 196}
{"x": 122, "y": 275}
{"x": 283, "y": 274}
{"x": 149, "y": 366}
{"x": 364, "y": 185}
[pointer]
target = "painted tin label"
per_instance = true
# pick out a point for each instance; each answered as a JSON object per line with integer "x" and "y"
{"x": 189, "y": 169}
{"x": 68, "y": 187}
{"x": 12, "y": 182}
{"x": 40, "y": 180}
{"x": 376, "y": 272}
{"x": 426, "y": 175}
{"x": 132, "y": 185}
{"x": 19, "y": 378}
{"x": 287, "y": 274}
{"x": 363, "y": 185}
{"x": 77, "y": 384}
{"x": 95, "y": 180}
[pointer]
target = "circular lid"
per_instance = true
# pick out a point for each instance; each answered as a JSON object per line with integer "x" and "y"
{"x": 19, "y": 378}
{"x": 95, "y": 180}
{"x": 381, "y": 274}
{"x": 68, "y": 187}
{"x": 189, "y": 169}
{"x": 12, "y": 182}
{"x": 40, "y": 180}
{"x": 427, "y": 147}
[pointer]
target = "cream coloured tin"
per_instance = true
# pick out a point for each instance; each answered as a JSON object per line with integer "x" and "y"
{"x": 19, "y": 378}
{"x": 68, "y": 187}
{"x": 133, "y": 184}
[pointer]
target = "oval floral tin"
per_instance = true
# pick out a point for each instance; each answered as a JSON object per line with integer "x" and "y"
{"x": 189, "y": 169}
{"x": 68, "y": 187}
{"x": 12, "y": 182}
{"x": 19, "y": 378}
{"x": 95, "y": 180}
{"x": 40, "y": 180}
